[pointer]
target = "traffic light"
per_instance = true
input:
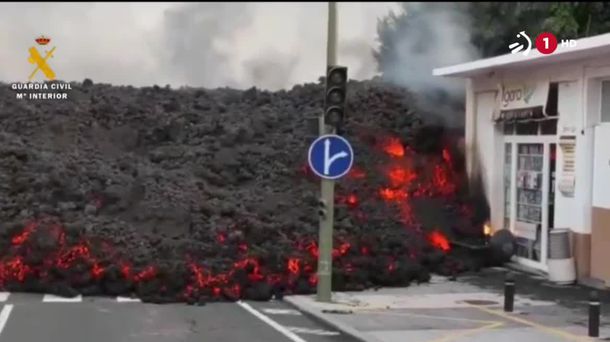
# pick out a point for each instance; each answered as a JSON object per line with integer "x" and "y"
{"x": 322, "y": 210}
{"x": 336, "y": 84}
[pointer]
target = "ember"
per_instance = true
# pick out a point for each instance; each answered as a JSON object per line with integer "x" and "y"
{"x": 192, "y": 195}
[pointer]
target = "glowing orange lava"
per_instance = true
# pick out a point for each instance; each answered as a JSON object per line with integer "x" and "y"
{"x": 400, "y": 176}
{"x": 394, "y": 148}
{"x": 438, "y": 240}
{"x": 294, "y": 266}
{"x": 352, "y": 200}
{"x": 393, "y": 194}
{"x": 356, "y": 173}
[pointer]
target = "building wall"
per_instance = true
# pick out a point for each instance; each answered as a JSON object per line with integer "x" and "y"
{"x": 599, "y": 175}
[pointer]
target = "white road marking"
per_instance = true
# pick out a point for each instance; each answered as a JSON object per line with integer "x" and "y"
{"x": 282, "y": 312}
{"x": 318, "y": 332}
{"x": 4, "y": 296}
{"x": 56, "y": 299}
{"x": 292, "y": 336}
{"x": 128, "y": 300}
{"x": 4, "y": 315}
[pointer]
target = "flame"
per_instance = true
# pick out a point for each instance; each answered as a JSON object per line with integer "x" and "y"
{"x": 487, "y": 229}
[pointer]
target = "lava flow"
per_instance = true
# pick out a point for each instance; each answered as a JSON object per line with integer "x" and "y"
{"x": 203, "y": 199}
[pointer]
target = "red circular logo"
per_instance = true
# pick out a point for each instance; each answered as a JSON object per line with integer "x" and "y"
{"x": 546, "y": 43}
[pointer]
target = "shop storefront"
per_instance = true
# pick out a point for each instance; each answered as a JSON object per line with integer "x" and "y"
{"x": 538, "y": 135}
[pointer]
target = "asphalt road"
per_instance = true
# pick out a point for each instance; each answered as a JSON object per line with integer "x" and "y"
{"x": 30, "y": 317}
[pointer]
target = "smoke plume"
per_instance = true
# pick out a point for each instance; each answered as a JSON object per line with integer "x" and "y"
{"x": 423, "y": 37}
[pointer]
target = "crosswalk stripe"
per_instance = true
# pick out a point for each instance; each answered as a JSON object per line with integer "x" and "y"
{"x": 281, "y": 312}
{"x": 319, "y": 332}
{"x": 56, "y": 299}
{"x": 4, "y": 296}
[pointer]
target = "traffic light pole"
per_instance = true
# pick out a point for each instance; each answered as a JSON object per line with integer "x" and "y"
{"x": 328, "y": 186}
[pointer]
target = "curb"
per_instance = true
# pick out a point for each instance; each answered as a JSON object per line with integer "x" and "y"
{"x": 322, "y": 318}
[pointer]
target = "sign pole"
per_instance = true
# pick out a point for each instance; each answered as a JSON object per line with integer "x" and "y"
{"x": 328, "y": 186}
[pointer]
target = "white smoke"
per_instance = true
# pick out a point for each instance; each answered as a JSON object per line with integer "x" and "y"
{"x": 434, "y": 35}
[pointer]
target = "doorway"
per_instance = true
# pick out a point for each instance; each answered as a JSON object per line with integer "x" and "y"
{"x": 529, "y": 190}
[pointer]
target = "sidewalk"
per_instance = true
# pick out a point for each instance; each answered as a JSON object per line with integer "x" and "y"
{"x": 469, "y": 309}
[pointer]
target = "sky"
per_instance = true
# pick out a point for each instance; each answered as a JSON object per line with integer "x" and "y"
{"x": 267, "y": 45}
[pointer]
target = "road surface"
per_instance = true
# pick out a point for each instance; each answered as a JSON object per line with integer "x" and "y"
{"x": 32, "y": 317}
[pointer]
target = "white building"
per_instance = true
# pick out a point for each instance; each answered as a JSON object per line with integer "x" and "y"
{"x": 538, "y": 133}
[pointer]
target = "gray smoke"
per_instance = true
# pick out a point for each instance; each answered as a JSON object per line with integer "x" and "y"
{"x": 213, "y": 44}
{"x": 199, "y": 37}
{"x": 432, "y": 35}
{"x": 272, "y": 69}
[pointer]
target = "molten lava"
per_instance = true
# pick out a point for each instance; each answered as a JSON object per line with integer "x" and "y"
{"x": 438, "y": 240}
{"x": 356, "y": 173}
{"x": 400, "y": 176}
{"x": 352, "y": 200}
{"x": 403, "y": 181}
{"x": 393, "y": 194}
{"x": 394, "y": 148}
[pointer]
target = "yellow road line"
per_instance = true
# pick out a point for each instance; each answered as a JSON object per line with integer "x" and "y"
{"x": 455, "y": 335}
{"x": 553, "y": 331}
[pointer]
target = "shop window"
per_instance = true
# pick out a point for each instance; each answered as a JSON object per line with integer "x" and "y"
{"x": 527, "y": 128}
{"x": 529, "y": 200}
{"x": 605, "y": 101}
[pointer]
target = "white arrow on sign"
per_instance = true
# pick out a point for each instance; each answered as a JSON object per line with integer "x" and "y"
{"x": 328, "y": 160}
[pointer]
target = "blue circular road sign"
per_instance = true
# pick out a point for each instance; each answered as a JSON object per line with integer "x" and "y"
{"x": 331, "y": 156}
